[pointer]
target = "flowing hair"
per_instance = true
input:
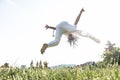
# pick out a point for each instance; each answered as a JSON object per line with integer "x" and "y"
{"x": 72, "y": 40}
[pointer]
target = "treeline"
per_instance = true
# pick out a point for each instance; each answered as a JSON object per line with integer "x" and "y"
{"x": 111, "y": 56}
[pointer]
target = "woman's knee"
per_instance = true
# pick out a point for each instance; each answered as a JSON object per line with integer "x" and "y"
{"x": 57, "y": 41}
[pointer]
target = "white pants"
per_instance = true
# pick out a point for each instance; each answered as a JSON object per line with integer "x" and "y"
{"x": 65, "y": 28}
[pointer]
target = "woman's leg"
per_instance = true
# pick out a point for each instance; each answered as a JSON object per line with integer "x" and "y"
{"x": 54, "y": 42}
{"x": 84, "y": 34}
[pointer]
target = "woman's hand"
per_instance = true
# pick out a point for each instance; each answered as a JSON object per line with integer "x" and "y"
{"x": 46, "y": 26}
{"x": 82, "y": 10}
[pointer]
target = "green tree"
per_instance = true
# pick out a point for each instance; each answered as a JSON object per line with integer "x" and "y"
{"x": 31, "y": 64}
{"x": 40, "y": 64}
{"x": 111, "y": 54}
{"x": 110, "y": 46}
{"x": 45, "y": 64}
{"x": 37, "y": 64}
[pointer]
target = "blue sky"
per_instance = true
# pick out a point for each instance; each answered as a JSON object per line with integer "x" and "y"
{"x": 22, "y": 31}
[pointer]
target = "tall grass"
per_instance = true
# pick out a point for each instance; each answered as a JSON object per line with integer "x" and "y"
{"x": 76, "y": 73}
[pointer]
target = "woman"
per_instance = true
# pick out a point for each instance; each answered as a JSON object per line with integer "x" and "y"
{"x": 69, "y": 30}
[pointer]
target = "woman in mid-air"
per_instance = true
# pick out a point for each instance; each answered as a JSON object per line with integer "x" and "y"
{"x": 70, "y": 30}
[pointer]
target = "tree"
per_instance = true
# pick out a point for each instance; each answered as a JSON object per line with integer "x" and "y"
{"x": 45, "y": 64}
{"x": 110, "y": 46}
{"x": 37, "y": 64}
{"x": 31, "y": 64}
{"x": 111, "y": 54}
{"x": 40, "y": 64}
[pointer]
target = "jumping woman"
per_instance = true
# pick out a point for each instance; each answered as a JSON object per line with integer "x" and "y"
{"x": 70, "y": 30}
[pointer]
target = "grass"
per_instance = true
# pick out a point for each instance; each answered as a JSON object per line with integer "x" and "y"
{"x": 76, "y": 73}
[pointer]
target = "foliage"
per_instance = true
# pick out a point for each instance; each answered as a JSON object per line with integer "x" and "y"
{"x": 111, "y": 54}
{"x": 73, "y": 73}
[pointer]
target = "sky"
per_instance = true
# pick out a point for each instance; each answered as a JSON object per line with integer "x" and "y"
{"x": 22, "y": 31}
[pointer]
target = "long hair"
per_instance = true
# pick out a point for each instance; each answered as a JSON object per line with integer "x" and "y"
{"x": 72, "y": 40}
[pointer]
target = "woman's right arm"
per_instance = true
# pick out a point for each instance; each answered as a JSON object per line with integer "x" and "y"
{"x": 50, "y": 27}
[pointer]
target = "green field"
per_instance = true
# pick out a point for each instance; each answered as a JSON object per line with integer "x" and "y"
{"x": 71, "y": 73}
